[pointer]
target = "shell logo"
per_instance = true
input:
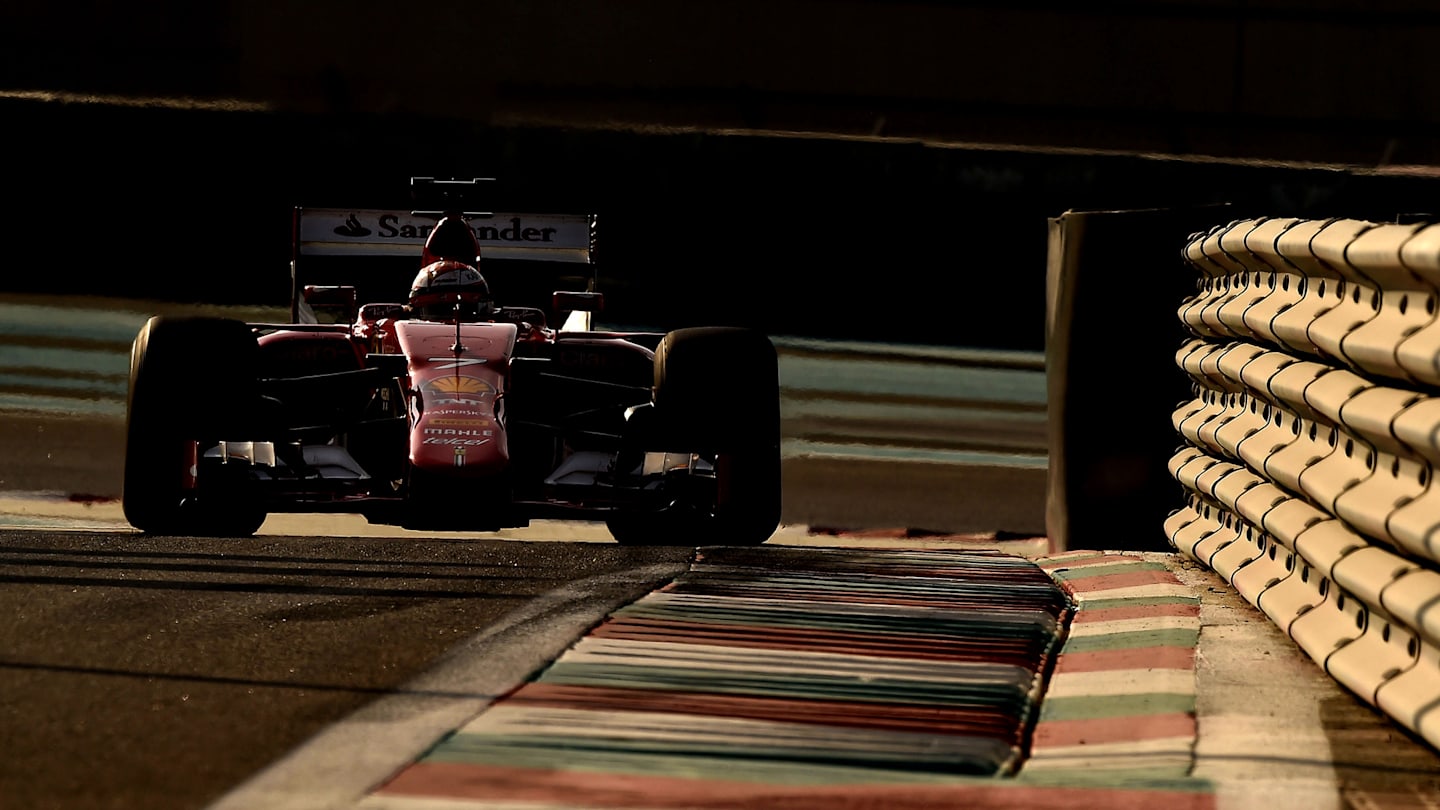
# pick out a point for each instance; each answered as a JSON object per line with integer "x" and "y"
{"x": 460, "y": 385}
{"x": 451, "y": 422}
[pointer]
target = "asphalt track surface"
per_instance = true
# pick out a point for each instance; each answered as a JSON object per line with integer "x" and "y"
{"x": 158, "y": 673}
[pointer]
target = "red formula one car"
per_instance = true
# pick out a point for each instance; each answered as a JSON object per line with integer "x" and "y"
{"x": 482, "y": 402}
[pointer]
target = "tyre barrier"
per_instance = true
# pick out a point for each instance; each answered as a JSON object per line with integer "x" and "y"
{"x": 1312, "y": 442}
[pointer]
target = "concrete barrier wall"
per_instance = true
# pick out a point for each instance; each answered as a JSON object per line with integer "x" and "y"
{"x": 1109, "y": 438}
{"x": 1310, "y": 447}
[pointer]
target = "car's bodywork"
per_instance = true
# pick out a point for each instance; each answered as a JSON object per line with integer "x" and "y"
{"x": 357, "y": 406}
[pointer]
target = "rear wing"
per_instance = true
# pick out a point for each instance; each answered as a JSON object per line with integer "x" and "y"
{"x": 524, "y": 257}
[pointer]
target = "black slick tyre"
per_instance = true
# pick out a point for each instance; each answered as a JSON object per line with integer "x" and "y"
{"x": 716, "y": 393}
{"x": 192, "y": 379}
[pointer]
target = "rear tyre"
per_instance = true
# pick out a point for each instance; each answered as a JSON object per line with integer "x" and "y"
{"x": 716, "y": 393}
{"x": 191, "y": 380}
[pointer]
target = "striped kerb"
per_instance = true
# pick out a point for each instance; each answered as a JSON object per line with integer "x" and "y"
{"x": 822, "y": 677}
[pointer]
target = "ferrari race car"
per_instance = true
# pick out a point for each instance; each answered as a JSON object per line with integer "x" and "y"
{"x": 456, "y": 416}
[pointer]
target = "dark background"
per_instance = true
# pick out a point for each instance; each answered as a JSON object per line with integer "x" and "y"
{"x": 856, "y": 168}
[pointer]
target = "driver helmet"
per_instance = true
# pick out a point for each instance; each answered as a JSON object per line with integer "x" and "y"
{"x": 447, "y": 290}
